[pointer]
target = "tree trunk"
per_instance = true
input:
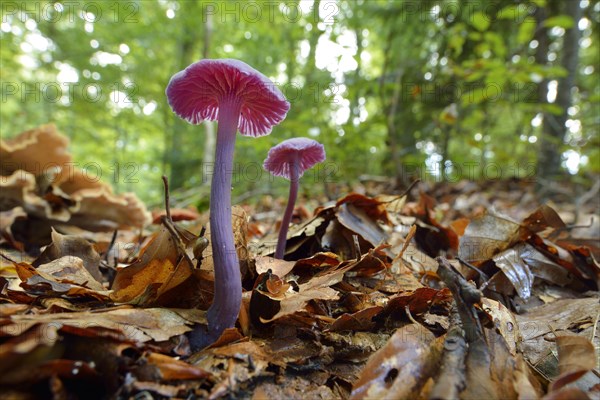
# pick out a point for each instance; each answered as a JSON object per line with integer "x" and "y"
{"x": 553, "y": 130}
{"x": 569, "y": 61}
{"x": 208, "y": 156}
{"x": 541, "y": 58}
{"x": 177, "y": 159}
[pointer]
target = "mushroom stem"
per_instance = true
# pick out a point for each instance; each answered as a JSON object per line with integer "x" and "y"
{"x": 289, "y": 210}
{"x": 225, "y": 308}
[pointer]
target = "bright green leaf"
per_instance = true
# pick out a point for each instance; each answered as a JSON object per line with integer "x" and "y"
{"x": 526, "y": 31}
{"x": 562, "y": 21}
{"x": 480, "y": 21}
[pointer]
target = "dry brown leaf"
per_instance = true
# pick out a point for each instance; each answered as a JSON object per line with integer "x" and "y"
{"x": 418, "y": 301}
{"x": 359, "y": 321}
{"x": 373, "y": 207}
{"x": 318, "y": 287}
{"x": 137, "y": 325}
{"x": 361, "y": 223}
{"x": 401, "y": 367}
{"x": 277, "y": 267}
{"x": 576, "y": 356}
{"x": 516, "y": 270}
{"x": 562, "y": 315}
{"x": 542, "y": 218}
{"x": 161, "y": 267}
{"x": 172, "y": 369}
{"x": 69, "y": 245}
{"x": 65, "y": 276}
{"x": 504, "y": 321}
{"x": 486, "y": 236}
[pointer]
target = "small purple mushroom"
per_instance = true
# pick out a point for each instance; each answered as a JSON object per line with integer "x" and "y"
{"x": 238, "y": 97}
{"x": 290, "y": 159}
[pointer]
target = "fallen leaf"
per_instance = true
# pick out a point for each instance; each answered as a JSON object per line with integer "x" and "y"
{"x": 516, "y": 270}
{"x": 401, "y": 367}
{"x": 486, "y": 236}
{"x": 359, "y": 321}
{"x": 137, "y": 325}
{"x": 576, "y": 356}
{"x": 172, "y": 369}
{"x": 163, "y": 266}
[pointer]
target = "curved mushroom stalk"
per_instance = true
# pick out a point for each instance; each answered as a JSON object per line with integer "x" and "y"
{"x": 289, "y": 209}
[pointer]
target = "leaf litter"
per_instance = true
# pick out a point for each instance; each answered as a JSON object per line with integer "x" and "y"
{"x": 380, "y": 295}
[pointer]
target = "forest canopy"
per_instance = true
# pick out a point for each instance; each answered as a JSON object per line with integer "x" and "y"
{"x": 436, "y": 90}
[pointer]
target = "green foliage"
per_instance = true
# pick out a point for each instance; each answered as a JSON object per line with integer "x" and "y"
{"x": 381, "y": 101}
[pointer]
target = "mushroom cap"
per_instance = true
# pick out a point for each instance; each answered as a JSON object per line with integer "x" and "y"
{"x": 280, "y": 157}
{"x": 196, "y": 93}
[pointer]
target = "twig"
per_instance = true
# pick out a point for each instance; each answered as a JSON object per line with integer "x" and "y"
{"x": 7, "y": 258}
{"x": 407, "y": 239}
{"x": 589, "y": 195}
{"x": 110, "y": 245}
{"x": 451, "y": 379}
{"x": 595, "y": 326}
{"x": 356, "y": 247}
{"x": 167, "y": 207}
{"x": 482, "y": 274}
{"x": 465, "y": 296}
{"x": 167, "y": 223}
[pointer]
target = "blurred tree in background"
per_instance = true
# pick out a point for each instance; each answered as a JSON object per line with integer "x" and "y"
{"x": 431, "y": 89}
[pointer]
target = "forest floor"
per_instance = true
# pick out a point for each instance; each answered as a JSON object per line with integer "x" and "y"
{"x": 466, "y": 290}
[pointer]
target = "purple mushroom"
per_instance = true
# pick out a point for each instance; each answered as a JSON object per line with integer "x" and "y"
{"x": 238, "y": 97}
{"x": 290, "y": 159}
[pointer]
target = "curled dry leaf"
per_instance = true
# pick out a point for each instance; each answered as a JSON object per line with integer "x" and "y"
{"x": 163, "y": 266}
{"x": 172, "y": 369}
{"x": 375, "y": 208}
{"x": 504, "y": 321}
{"x": 516, "y": 270}
{"x": 401, "y": 367}
{"x": 576, "y": 356}
{"x": 75, "y": 246}
{"x": 278, "y": 267}
{"x": 65, "y": 276}
{"x": 359, "y": 321}
{"x": 361, "y": 223}
{"x": 318, "y": 287}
